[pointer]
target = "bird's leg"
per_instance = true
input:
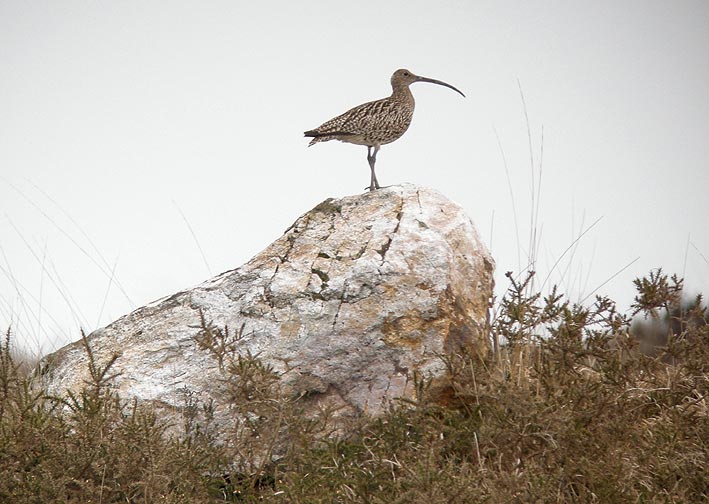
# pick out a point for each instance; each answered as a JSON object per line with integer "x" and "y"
{"x": 372, "y": 158}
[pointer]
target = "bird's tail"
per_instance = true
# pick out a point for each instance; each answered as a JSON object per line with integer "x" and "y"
{"x": 319, "y": 136}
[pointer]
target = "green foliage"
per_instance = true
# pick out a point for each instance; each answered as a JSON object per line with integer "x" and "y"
{"x": 566, "y": 409}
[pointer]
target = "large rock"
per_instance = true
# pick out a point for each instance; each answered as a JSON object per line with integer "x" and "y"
{"x": 356, "y": 296}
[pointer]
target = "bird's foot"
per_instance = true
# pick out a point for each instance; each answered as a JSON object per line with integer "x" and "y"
{"x": 376, "y": 188}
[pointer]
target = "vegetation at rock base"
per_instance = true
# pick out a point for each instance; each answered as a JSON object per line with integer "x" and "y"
{"x": 565, "y": 409}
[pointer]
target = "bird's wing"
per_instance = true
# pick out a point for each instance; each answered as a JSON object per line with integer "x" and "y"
{"x": 356, "y": 120}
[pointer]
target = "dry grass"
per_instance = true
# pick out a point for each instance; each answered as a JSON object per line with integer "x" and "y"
{"x": 567, "y": 410}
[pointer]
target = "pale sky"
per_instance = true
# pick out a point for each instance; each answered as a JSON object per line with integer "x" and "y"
{"x": 147, "y": 146}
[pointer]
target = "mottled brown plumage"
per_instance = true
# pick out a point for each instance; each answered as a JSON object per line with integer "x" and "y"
{"x": 375, "y": 123}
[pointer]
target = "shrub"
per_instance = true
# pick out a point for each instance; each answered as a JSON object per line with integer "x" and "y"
{"x": 565, "y": 409}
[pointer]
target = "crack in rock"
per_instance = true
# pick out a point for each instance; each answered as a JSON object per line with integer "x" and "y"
{"x": 385, "y": 248}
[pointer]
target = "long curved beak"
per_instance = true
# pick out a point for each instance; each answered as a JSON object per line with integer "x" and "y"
{"x": 440, "y": 83}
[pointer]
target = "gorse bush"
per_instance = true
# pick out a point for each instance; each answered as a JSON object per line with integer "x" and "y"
{"x": 90, "y": 447}
{"x": 566, "y": 408}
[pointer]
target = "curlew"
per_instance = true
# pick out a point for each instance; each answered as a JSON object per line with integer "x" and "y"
{"x": 375, "y": 123}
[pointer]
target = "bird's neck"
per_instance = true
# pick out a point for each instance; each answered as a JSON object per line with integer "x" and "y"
{"x": 403, "y": 94}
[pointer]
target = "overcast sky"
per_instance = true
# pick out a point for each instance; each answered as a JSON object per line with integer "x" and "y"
{"x": 146, "y": 146}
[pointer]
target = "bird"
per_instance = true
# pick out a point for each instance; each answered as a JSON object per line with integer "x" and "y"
{"x": 378, "y": 122}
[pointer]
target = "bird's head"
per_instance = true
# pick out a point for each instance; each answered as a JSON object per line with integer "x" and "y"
{"x": 403, "y": 77}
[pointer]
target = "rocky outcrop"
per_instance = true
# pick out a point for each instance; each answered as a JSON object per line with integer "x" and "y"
{"x": 358, "y": 295}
